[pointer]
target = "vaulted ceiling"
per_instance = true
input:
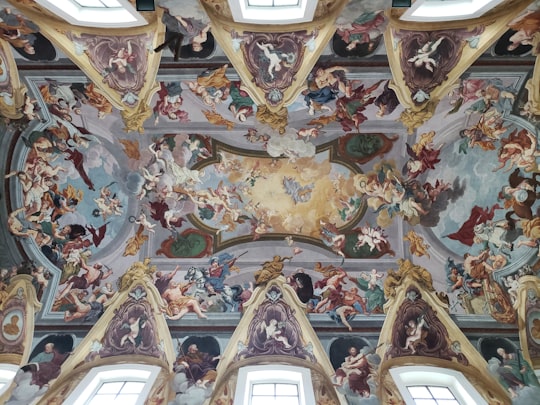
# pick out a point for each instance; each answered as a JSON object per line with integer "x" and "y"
{"x": 350, "y": 141}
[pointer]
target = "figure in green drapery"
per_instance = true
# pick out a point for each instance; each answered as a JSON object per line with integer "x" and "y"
{"x": 515, "y": 372}
{"x": 374, "y": 295}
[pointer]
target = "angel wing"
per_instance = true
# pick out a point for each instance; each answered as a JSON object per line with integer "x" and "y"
{"x": 71, "y": 193}
{"x": 217, "y": 119}
{"x": 134, "y": 244}
{"x": 131, "y": 148}
{"x": 323, "y": 120}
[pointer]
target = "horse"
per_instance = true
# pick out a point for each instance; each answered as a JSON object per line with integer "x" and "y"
{"x": 524, "y": 195}
{"x": 198, "y": 276}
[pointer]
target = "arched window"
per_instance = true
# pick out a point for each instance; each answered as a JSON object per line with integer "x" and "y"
{"x": 96, "y": 13}
{"x": 125, "y": 384}
{"x": 7, "y": 373}
{"x": 423, "y": 385}
{"x": 440, "y": 10}
{"x": 274, "y": 384}
{"x": 272, "y": 11}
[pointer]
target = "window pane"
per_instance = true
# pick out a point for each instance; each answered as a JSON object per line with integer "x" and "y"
{"x": 133, "y": 387}
{"x": 271, "y": 400}
{"x": 287, "y": 400}
{"x": 130, "y": 399}
{"x": 89, "y": 3}
{"x": 111, "y": 3}
{"x": 287, "y": 389}
{"x": 447, "y": 402}
{"x": 419, "y": 392}
{"x": 263, "y": 389}
{"x": 425, "y": 402}
{"x": 110, "y": 388}
{"x": 285, "y": 2}
{"x": 102, "y": 399}
{"x": 263, "y": 400}
{"x": 264, "y": 3}
{"x": 441, "y": 393}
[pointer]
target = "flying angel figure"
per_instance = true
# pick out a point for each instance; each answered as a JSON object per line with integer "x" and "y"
{"x": 298, "y": 193}
{"x": 275, "y": 58}
{"x": 425, "y": 55}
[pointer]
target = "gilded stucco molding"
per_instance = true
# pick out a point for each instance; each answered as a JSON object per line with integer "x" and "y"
{"x": 19, "y": 304}
{"x": 528, "y": 308}
{"x": 122, "y": 64}
{"x": 297, "y": 344}
{"x": 412, "y": 119}
{"x": 136, "y": 301}
{"x": 13, "y": 93}
{"x": 411, "y": 299}
{"x": 533, "y": 84}
{"x": 389, "y": 393}
{"x": 426, "y": 61}
{"x": 273, "y": 61}
{"x": 407, "y": 270}
{"x": 277, "y": 120}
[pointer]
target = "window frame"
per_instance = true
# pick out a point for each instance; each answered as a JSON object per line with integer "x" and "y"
{"x": 455, "y": 381}
{"x": 441, "y": 10}
{"x": 272, "y": 374}
{"x": 7, "y": 375}
{"x": 93, "y": 380}
{"x": 242, "y": 12}
{"x": 100, "y": 21}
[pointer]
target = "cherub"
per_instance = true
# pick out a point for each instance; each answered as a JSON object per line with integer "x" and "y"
{"x": 142, "y": 220}
{"x": 275, "y": 58}
{"x": 373, "y": 237}
{"x": 122, "y": 61}
{"x": 307, "y": 133}
{"x": 108, "y": 205}
{"x": 273, "y": 331}
{"x": 424, "y": 55}
{"x": 373, "y": 277}
{"x": 414, "y": 332}
{"x": 512, "y": 284}
{"x": 134, "y": 325}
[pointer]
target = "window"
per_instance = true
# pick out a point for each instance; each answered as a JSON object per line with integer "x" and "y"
{"x": 118, "y": 392}
{"x": 272, "y": 11}
{"x": 446, "y": 10}
{"x": 274, "y": 385}
{"x": 96, "y": 13}
{"x": 423, "y": 385}
{"x": 7, "y": 373}
{"x": 273, "y": 393}
{"x": 272, "y": 3}
{"x": 125, "y": 384}
{"x": 432, "y": 395}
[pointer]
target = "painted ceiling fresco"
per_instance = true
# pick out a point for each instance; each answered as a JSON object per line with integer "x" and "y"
{"x": 211, "y": 192}
{"x": 219, "y": 157}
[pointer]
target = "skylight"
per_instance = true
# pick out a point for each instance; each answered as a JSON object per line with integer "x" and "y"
{"x": 423, "y": 385}
{"x": 96, "y": 13}
{"x": 447, "y": 10}
{"x": 274, "y": 393}
{"x": 125, "y": 384}
{"x": 7, "y": 373}
{"x": 272, "y": 3}
{"x": 432, "y": 395}
{"x": 274, "y": 385}
{"x": 272, "y": 11}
